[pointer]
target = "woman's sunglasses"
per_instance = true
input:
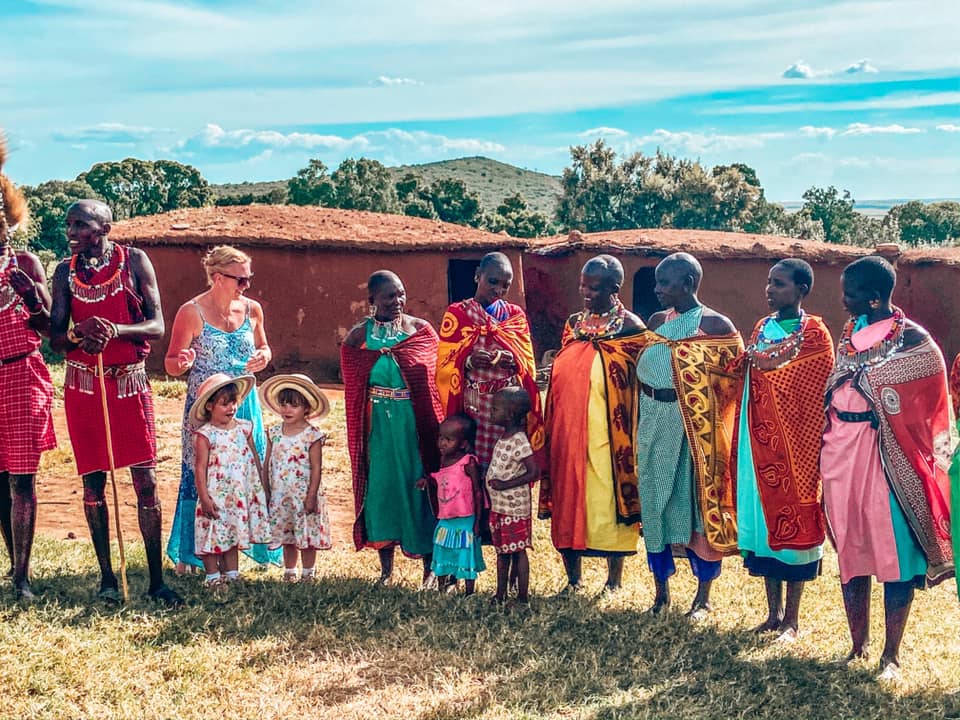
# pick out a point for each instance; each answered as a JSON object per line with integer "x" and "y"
{"x": 242, "y": 280}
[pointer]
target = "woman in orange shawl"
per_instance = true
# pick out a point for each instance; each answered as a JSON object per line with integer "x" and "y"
{"x": 777, "y": 451}
{"x": 485, "y": 346}
{"x": 590, "y": 492}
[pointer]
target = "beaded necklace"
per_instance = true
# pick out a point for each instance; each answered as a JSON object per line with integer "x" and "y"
{"x": 776, "y": 352}
{"x": 97, "y": 292}
{"x": 848, "y": 357}
{"x": 387, "y": 330}
{"x": 8, "y": 296}
{"x": 591, "y": 326}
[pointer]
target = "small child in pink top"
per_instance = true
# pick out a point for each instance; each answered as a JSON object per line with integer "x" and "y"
{"x": 456, "y": 542}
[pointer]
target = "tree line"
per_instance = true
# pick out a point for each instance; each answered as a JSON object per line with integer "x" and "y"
{"x": 598, "y": 192}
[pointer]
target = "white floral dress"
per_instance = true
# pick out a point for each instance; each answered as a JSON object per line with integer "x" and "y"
{"x": 234, "y": 486}
{"x": 289, "y": 481}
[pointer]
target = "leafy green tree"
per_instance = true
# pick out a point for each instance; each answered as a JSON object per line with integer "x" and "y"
{"x": 599, "y": 193}
{"x": 514, "y": 217}
{"x": 135, "y": 187}
{"x": 833, "y": 210}
{"x": 48, "y": 209}
{"x": 364, "y": 184}
{"x": 936, "y": 223}
{"x": 414, "y": 197}
{"x": 453, "y": 203}
{"x": 312, "y": 186}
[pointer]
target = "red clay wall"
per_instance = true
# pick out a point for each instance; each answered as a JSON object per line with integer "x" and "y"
{"x": 311, "y": 298}
{"x": 929, "y": 293}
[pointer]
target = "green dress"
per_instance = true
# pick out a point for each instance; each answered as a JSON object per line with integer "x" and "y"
{"x": 394, "y": 510}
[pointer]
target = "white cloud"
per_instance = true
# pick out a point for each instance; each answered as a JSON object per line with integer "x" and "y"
{"x": 385, "y": 80}
{"x": 801, "y": 71}
{"x": 861, "y": 66}
{"x": 854, "y": 129}
{"x": 812, "y": 131}
{"x": 704, "y": 143}
{"x": 110, "y": 133}
{"x": 225, "y": 145}
{"x": 603, "y": 131}
{"x": 949, "y": 127}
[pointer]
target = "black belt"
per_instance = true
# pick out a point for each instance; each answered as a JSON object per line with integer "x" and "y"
{"x": 17, "y": 358}
{"x": 659, "y": 394}
{"x": 857, "y": 417}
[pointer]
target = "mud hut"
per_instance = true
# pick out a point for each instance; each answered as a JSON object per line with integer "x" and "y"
{"x": 311, "y": 266}
{"x": 735, "y": 267}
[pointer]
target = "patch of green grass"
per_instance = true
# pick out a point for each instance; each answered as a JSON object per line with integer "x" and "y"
{"x": 346, "y": 648}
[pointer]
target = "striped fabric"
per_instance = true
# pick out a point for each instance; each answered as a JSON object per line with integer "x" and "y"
{"x": 663, "y": 456}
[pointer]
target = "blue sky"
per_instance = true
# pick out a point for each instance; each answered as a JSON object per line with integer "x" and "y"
{"x": 863, "y": 95}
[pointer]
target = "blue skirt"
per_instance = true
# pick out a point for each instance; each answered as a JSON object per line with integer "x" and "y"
{"x": 456, "y": 550}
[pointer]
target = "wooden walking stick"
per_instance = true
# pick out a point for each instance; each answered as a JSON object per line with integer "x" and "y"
{"x": 113, "y": 477}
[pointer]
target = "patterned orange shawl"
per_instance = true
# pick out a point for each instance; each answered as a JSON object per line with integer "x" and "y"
{"x": 563, "y": 488}
{"x": 786, "y": 418}
{"x": 458, "y": 335}
{"x": 707, "y": 399}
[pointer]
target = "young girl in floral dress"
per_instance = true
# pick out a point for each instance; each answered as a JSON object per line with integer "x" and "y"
{"x": 298, "y": 509}
{"x": 232, "y": 499}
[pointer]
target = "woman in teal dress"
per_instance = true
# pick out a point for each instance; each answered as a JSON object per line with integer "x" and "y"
{"x": 780, "y": 521}
{"x": 219, "y": 330}
{"x": 393, "y": 411}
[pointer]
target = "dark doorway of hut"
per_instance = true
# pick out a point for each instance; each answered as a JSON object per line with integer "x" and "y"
{"x": 461, "y": 284}
{"x": 645, "y": 301}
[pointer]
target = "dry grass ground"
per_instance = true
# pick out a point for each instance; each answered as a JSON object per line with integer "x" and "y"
{"x": 346, "y": 648}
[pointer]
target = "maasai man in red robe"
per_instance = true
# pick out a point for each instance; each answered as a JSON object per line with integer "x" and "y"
{"x": 26, "y": 425}
{"x": 106, "y": 301}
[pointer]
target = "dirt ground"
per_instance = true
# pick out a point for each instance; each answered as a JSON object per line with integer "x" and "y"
{"x": 60, "y": 491}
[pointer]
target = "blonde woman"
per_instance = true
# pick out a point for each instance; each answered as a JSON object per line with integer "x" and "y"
{"x": 218, "y": 331}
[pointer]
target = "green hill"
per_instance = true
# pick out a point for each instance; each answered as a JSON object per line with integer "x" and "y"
{"x": 491, "y": 179}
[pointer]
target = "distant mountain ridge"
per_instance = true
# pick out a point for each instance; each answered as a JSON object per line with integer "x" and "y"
{"x": 492, "y": 180}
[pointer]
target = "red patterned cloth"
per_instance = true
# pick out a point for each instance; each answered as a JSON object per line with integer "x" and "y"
{"x": 786, "y": 418}
{"x": 510, "y": 533}
{"x": 467, "y": 325}
{"x": 26, "y": 424}
{"x": 129, "y": 398}
{"x": 415, "y": 356}
{"x": 908, "y": 393}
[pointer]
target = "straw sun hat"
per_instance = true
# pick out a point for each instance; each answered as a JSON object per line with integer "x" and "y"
{"x": 317, "y": 403}
{"x": 213, "y": 383}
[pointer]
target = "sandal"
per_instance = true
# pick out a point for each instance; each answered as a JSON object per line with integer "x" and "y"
{"x": 166, "y": 595}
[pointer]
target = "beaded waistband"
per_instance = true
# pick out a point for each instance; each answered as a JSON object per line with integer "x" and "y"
{"x": 375, "y": 391}
{"x": 131, "y": 379}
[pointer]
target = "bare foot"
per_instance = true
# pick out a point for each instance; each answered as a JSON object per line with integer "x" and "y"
{"x": 497, "y": 601}
{"x": 569, "y": 591}
{"x": 853, "y": 655}
{"x": 659, "y": 607}
{"x": 769, "y": 625}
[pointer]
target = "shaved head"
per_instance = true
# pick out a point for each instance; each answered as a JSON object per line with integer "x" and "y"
{"x": 683, "y": 264}
{"x": 495, "y": 259}
{"x": 606, "y": 267}
{"x": 380, "y": 278}
{"x": 93, "y": 209}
